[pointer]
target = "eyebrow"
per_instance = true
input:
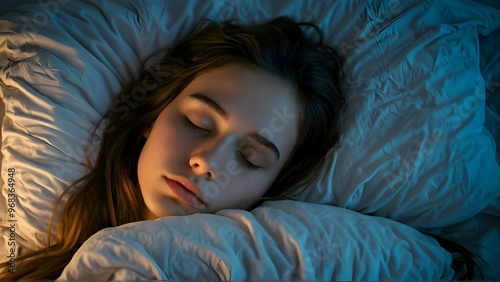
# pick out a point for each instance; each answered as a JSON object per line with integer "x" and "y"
{"x": 212, "y": 104}
{"x": 220, "y": 110}
{"x": 259, "y": 138}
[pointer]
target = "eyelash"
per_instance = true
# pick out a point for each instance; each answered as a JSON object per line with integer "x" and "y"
{"x": 246, "y": 162}
{"x": 242, "y": 157}
{"x": 193, "y": 126}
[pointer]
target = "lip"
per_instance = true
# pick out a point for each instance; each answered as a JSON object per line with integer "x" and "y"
{"x": 191, "y": 194}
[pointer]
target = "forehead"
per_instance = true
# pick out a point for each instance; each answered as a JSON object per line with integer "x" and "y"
{"x": 235, "y": 82}
{"x": 256, "y": 100}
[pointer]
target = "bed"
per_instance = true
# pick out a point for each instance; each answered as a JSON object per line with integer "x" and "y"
{"x": 419, "y": 152}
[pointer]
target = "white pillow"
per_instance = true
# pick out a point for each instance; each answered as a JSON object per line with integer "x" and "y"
{"x": 414, "y": 147}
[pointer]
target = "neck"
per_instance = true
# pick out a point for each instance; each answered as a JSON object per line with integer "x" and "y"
{"x": 146, "y": 214}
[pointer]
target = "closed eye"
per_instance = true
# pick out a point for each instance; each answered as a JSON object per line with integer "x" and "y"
{"x": 246, "y": 162}
{"x": 193, "y": 126}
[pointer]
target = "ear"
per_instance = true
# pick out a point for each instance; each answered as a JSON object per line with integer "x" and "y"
{"x": 148, "y": 130}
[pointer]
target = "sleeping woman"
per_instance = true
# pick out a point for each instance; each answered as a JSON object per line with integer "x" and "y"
{"x": 233, "y": 115}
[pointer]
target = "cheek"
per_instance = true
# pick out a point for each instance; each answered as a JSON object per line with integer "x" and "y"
{"x": 170, "y": 143}
{"x": 244, "y": 190}
{"x": 164, "y": 151}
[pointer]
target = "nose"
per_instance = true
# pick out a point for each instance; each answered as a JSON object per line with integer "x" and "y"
{"x": 211, "y": 156}
{"x": 202, "y": 167}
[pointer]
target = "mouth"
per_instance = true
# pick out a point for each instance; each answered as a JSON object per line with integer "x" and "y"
{"x": 186, "y": 191}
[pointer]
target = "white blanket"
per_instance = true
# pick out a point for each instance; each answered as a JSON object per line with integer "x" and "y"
{"x": 283, "y": 240}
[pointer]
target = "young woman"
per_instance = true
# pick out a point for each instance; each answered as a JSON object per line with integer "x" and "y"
{"x": 233, "y": 115}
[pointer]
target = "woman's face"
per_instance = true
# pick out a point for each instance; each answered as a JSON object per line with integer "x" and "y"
{"x": 219, "y": 144}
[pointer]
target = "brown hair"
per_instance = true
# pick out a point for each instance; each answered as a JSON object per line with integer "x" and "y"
{"x": 108, "y": 195}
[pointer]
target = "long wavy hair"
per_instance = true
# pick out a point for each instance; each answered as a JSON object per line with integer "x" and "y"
{"x": 108, "y": 195}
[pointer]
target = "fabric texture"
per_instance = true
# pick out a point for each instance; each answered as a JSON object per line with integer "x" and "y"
{"x": 316, "y": 244}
